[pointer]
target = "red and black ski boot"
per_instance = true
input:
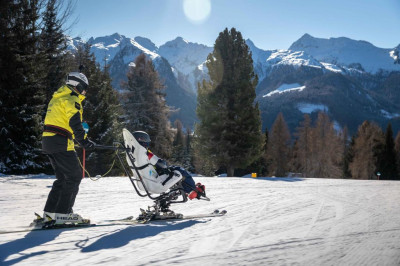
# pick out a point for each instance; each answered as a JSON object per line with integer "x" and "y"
{"x": 198, "y": 192}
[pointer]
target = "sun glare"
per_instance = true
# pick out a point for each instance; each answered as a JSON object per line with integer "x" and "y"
{"x": 197, "y": 11}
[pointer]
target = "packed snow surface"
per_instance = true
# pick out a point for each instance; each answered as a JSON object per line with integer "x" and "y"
{"x": 270, "y": 221}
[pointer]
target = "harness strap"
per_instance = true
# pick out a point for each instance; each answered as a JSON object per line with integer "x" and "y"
{"x": 171, "y": 174}
{"x": 57, "y": 130}
{"x": 142, "y": 167}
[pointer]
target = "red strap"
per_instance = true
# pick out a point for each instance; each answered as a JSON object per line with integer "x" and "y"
{"x": 83, "y": 166}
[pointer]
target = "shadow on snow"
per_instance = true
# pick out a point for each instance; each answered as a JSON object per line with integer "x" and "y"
{"x": 30, "y": 240}
{"x": 282, "y": 179}
{"x": 126, "y": 235}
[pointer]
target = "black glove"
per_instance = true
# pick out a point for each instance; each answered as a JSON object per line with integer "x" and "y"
{"x": 87, "y": 144}
{"x": 162, "y": 167}
{"x": 161, "y": 164}
{"x": 163, "y": 171}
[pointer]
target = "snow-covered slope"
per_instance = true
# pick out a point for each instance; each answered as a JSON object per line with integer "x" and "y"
{"x": 265, "y": 60}
{"x": 184, "y": 55}
{"x": 187, "y": 59}
{"x": 130, "y": 49}
{"x": 344, "y": 51}
{"x": 106, "y": 47}
{"x": 146, "y": 43}
{"x": 270, "y": 221}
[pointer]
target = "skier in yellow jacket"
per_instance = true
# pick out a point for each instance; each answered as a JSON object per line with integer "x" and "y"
{"x": 63, "y": 126}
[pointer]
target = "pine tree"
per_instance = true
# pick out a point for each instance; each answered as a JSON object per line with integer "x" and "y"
{"x": 302, "y": 151}
{"x": 368, "y": 144}
{"x": 279, "y": 147}
{"x": 265, "y": 163}
{"x": 387, "y": 161}
{"x": 348, "y": 158}
{"x": 327, "y": 150}
{"x": 181, "y": 148}
{"x": 229, "y": 132}
{"x": 397, "y": 150}
{"x": 22, "y": 100}
{"x": 102, "y": 111}
{"x": 145, "y": 106}
{"x": 188, "y": 160}
{"x": 53, "y": 45}
{"x": 178, "y": 145}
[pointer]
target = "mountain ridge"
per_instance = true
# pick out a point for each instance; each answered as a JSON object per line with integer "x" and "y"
{"x": 181, "y": 64}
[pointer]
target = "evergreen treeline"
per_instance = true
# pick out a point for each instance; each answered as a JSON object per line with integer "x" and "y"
{"x": 23, "y": 71}
{"x": 321, "y": 151}
{"x": 33, "y": 65}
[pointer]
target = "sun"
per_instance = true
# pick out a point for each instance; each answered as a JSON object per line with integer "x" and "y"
{"x": 197, "y": 11}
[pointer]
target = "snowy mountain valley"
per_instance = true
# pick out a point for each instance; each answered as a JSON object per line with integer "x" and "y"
{"x": 344, "y": 75}
{"x": 270, "y": 221}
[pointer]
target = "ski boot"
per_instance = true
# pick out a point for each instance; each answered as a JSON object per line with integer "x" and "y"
{"x": 198, "y": 192}
{"x": 69, "y": 218}
{"x": 41, "y": 221}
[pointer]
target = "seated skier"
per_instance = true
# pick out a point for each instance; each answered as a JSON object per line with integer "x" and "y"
{"x": 191, "y": 189}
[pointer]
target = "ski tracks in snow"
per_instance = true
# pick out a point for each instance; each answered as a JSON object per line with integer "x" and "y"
{"x": 225, "y": 235}
{"x": 322, "y": 223}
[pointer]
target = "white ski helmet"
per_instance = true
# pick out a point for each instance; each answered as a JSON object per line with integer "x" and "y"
{"x": 78, "y": 80}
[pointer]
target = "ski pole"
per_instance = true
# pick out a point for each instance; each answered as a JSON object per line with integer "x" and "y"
{"x": 103, "y": 147}
{"x": 83, "y": 164}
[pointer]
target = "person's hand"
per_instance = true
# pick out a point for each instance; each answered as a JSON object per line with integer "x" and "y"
{"x": 164, "y": 171}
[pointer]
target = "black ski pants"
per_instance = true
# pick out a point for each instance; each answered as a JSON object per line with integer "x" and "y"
{"x": 68, "y": 172}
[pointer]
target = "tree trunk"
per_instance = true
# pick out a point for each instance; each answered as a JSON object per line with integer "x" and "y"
{"x": 230, "y": 170}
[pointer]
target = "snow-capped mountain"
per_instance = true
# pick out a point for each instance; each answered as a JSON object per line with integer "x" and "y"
{"x": 146, "y": 43}
{"x": 265, "y": 60}
{"x": 108, "y": 47}
{"x": 187, "y": 59}
{"x": 183, "y": 55}
{"x": 105, "y": 48}
{"x": 347, "y": 52}
{"x": 120, "y": 52}
{"x": 342, "y": 75}
{"x": 330, "y": 72}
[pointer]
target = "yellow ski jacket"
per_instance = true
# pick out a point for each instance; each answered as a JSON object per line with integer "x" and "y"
{"x": 63, "y": 122}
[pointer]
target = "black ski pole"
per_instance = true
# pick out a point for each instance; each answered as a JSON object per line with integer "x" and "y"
{"x": 104, "y": 147}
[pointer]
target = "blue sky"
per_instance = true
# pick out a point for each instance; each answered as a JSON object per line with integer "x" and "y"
{"x": 269, "y": 24}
